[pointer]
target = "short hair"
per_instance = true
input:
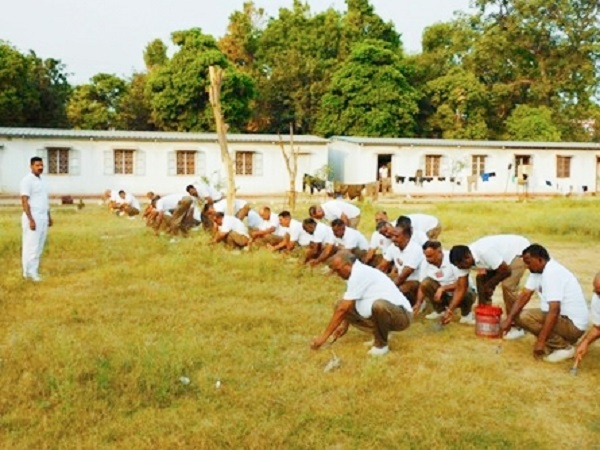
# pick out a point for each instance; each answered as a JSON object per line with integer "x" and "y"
{"x": 404, "y": 228}
{"x": 35, "y": 159}
{"x": 285, "y": 214}
{"x": 121, "y": 192}
{"x": 309, "y": 221}
{"x": 337, "y": 223}
{"x": 345, "y": 256}
{"x": 436, "y": 245}
{"x": 312, "y": 210}
{"x": 188, "y": 187}
{"x": 265, "y": 208}
{"x": 537, "y": 251}
{"x": 380, "y": 225}
{"x": 458, "y": 253}
{"x": 403, "y": 220}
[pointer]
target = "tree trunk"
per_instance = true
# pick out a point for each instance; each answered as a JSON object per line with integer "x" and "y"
{"x": 291, "y": 164}
{"x": 216, "y": 80}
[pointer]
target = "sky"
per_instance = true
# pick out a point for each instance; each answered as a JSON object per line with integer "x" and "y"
{"x": 94, "y": 36}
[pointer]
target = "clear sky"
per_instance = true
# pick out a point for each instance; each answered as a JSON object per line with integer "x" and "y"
{"x": 93, "y": 36}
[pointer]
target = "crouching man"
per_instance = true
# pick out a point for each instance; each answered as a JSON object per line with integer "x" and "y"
{"x": 372, "y": 303}
{"x": 563, "y": 314}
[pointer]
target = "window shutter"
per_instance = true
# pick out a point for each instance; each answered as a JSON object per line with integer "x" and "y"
{"x": 201, "y": 164}
{"x": 258, "y": 164}
{"x": 74, "y": 162}
{"x": 172, "y": 163}
{"x": 140, "y": 163}
{"x": 109, "y": 162}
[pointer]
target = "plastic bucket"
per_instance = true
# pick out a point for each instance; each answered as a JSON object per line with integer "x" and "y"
{"x": 487, "y": 321}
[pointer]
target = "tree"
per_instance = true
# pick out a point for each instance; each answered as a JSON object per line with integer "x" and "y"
{"x": 291, "y": 164}
{"x": 527, "y": 123}
{"x": 155, "y": 54}
{"x": 133, "y": 112}
{"x": 178, "y": 89}
{"x": 95, "y": 106}
{"x": 369, "y": 95}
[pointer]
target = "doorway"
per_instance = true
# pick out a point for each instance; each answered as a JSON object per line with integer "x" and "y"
{"x": 384, "y": 173}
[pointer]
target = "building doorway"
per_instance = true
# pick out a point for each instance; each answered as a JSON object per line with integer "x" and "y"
{"x": 384, "y": 173}
{"x": 597, "y": 174}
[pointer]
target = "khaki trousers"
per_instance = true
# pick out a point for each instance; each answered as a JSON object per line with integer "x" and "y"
{"x": 353, "y": 223}
{"x": 434, "y": 233}
{"x": 510, "y": 285}
{"x": 235, "y": 239}
{"x": 564, "y": 334}
{"x": 429, "y": 286}
{"x": 410, "y": 290}
{"x": 386, "y": 317}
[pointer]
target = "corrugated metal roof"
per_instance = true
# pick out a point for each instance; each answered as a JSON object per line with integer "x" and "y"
{"x": 47, "y": 133}
{"x": 404, "y": 142}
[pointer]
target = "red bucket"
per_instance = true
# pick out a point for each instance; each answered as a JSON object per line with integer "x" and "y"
{"x": 487, "y": 321}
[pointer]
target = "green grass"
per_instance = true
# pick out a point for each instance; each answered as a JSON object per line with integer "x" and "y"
{"x": 93, "y": 356}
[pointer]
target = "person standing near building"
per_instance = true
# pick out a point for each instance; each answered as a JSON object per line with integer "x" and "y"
{"x": 35, "y": 219}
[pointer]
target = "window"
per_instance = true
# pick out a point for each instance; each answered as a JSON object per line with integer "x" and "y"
{"x": 123, "y": 162}
{"x": 432, "y": 165}
{"x": 58, "y": 161}
{"x": 522, "y": 160}
{"x": 563, "y": 167}
{"x": 478, "y": 164}
{"x": 186, "y": 162}
{"x": 248, "y": 163}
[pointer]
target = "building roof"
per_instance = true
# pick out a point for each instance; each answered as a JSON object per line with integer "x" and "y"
{"x": 168, "y": 136}
{"x": 408, "y": 142}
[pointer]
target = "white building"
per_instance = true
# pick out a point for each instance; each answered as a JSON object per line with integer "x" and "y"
{"x": 83, "y": 162}
{"x": 436, "y": 166}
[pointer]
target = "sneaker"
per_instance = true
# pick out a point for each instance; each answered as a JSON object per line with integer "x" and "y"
{"x": 434, "y": 315}
{"x": 514, "y": 333}
{"x": 36, "y": 278}
{"x": 378, "y": 351}
{"x": 560, "y": 355}
{"x": 468, "y": 319}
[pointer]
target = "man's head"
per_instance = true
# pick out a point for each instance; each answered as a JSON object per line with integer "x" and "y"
{"x": 309, "y": 225}
{"x": 597, "y": 284}
{"x": 400, "y": 235}
{"x": 381, "y": 216}
{"x": 535, "y": 258}
{"x": 122, "y": 194}
{"x": 191, "y": 189}
{"x": 264, "y": 213}
{"x": 209, "y": 210}
{"x": 106, "y": 194}
{"x": 316, "y": 212}
{"x": 150, "y": 195}
{"x": 433, "y": 253}
{"x": 461, "y": 257}
{"x": 218, "y": 218}
{"x": 285, "y": 217}
{"x": 384, "y": 228}
{"x": 37, "y": 165}
{"x": 339, "y": 228}
{"x": 342, "y": 264}
{"x": 404, "y": 220}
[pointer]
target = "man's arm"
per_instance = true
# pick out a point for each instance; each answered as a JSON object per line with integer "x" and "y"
{"x": 402, "y": 276}
{"x": 312, "y": 252}
{"x": 502, "y": 272}
{"x": 338, "y": 318}
{"x": 460, "y": 289}
{"x": 345, "y": 219}
{"x": 592, "y": 334}
{"x": 522, "y": 300}
{"x": 325, "y": 254}
{"x": 27, "y": 211}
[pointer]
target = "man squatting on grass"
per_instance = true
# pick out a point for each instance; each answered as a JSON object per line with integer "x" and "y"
{"x": 372, "y": 302}
{"x": 563, "y": 315}
{"x": 594, "y": 332}
{"x": 35, "y": 219}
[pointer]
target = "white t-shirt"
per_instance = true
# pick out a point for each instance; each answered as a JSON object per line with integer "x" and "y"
{"x": 334, "y": 209}
{"x": 491, "y": 251}
{"x": 35, "y": 188}
{"x": 366, "y": 285}
{"x": 130, "y": 200}
{"x": 419, "y": 237}
{"x": 595, "y": 310}
{"x": 221, "y": 205}
{"x": 323, "y": 234}
{"x": 352, "y": 239}
{"x": 294, "y": 230}
{"x": 557, "y": 284}
{"x": 379, "y": 242}
{"x": 232, "y": 223}
{"x": 411, "y": 256}
{"x": 206, "y": 190}
{"x": 423, "y": 222}
{"x": 169, "y": 202}
{"x": 253, "y": 219}
{"x": 446, "y": 274}
{"x": 272, "y": 222}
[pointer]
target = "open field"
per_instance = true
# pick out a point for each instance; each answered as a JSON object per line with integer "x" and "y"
{"x": 94, "y": 356}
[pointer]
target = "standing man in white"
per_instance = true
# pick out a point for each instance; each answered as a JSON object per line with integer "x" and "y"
{"x": 35, "y": 220}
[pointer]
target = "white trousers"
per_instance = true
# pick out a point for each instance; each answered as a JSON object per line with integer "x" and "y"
{"x": 33, "y": 243}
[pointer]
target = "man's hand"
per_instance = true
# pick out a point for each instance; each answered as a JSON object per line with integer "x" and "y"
{"x": 32, "y": 224}
{"x": 447, "y": 317}
{"x": 581, "y": 351}
{"x": 506, "y": 325}
{"x": 438, "y": 294}
{"x": 340, "y": 331}
{"x": 539, "y": 350}
{"x": 317, "y": 343}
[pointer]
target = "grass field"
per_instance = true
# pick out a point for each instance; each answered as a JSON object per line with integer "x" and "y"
{"x": 135, "y": 342}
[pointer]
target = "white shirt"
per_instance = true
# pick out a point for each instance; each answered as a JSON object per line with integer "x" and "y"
{"x": 419, "y": 237}
{"x": 423, "y": 222}
{"x": 383, "y": 172}
{"x": 294, "y": 230}
{"x": 323, "y": 234}
{"x": 557, "y": 284}
{"x": 253, "y": 219}
{"x": 352, "y": 239}
{"x": 169, "y": 202}
{"x": 379, "y": 242}
{"x": 334, "y": 209}
{"x": 446, "y": 274}
{"x": 491, "y": 251}
{"x": 221, "y": 205}
{"x": 411, "y": 256}
{"x": 366, "y": 285}
{"x": 232, "y": 223}
{"x": 595, "y": 310}
{"x": 272, "y": 222}
{"x": 130, "y": 200}
{"x": 35, "y": 188}
{"x": 206, "y": 190}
